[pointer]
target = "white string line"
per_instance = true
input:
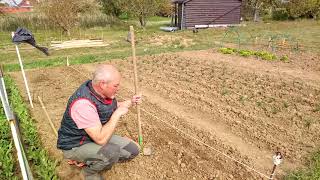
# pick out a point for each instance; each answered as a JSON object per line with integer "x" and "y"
{"x": 190, "y": 136}
{"x": 172, "y": 126}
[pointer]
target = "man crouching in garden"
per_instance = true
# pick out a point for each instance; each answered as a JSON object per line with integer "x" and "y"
{"x": 88, "y": 124}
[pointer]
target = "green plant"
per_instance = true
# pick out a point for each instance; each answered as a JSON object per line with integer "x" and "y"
{"x": 224, "y": 91}
{"x": 308, "y": 122}
{"x": 266, "y": 55}
{"x": 245, "y": 53}
{"x": 242, "y": 99}
{"x": 259, "y": 103}
{"x": 284, "y": 58}
{"x": 227, "y": 50}
{"x": 7, "y": 162}
{"x": 311, "y": 173}
{"x": 43, "y": 167}
{"x": 317, "y": 108}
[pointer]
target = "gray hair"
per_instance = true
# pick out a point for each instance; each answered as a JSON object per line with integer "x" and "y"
{"x": 104, "y": 73}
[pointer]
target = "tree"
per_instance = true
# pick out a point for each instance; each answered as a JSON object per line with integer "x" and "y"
{"x": 142, "y": 9}
{"x": 65, "y": 13}
{"x": 165, "y": 8}
{"x": 307, "y": 8}
{"x": 113, "y": 7}
{"x": 255, "y": 7}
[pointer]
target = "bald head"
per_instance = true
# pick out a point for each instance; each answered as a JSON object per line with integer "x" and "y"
{"x": 106, "y": 73}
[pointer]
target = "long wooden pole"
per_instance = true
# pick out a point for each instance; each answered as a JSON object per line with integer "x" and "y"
{"x": 48, "y": 117}
{"x": 140, "y": 139}
{"x": 23, "y": 74}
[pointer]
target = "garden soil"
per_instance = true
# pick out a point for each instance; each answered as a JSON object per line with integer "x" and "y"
{"x": 205, "y": 115}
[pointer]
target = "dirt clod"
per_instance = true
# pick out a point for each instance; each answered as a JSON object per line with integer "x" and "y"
{"x": 147, "y": 151}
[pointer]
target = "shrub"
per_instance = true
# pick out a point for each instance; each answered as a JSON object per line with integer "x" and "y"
{"x": 280, "y": 14}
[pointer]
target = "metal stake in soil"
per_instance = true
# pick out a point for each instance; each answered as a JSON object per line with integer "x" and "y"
{"x": 136, "y": 82}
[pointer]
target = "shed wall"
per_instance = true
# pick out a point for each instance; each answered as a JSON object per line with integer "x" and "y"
{"x": 208, "y": 12}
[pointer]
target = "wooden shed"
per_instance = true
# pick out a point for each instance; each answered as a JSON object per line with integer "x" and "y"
{"x": 205, "y": 13}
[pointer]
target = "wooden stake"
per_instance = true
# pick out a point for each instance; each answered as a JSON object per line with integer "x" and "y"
{"x": 140, "y": 139}
{"x": 269, "y": 42}
{"x": 23, "y": 74}
{"x": 68, "y": 61}
{"x": 283, "y": 41}
{"x": 48, "y": 117}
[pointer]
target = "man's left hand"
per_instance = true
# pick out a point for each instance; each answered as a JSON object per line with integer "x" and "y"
{"x": 136, "y": 99}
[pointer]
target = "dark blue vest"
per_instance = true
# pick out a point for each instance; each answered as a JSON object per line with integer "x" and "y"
{"x": 69, "y": 136}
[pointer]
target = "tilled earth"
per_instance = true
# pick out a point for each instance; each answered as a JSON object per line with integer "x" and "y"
{"x": 200, "y": 109}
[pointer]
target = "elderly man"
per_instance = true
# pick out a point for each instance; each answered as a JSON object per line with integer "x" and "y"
{"x": 90, "y": 119}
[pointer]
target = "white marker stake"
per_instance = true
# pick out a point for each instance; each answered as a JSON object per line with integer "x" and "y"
{"x": 23, "y": 73}
{"x": 68, "y": 61}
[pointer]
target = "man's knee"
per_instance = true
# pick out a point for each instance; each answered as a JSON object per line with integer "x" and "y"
{"x": 110, "y": 153}
{"x": 133, "y": 149}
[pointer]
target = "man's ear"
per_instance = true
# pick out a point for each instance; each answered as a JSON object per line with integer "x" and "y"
{"x": 102, "y": 84}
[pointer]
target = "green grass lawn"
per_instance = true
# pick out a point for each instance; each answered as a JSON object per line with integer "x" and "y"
{"x": 292, "y": 31}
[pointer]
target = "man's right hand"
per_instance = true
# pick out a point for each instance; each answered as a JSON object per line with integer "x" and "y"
{"x": 101, "y": 134}
{"x": 121, "y": 110}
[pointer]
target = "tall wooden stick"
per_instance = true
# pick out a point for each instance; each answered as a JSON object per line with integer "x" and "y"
{"x": 140, "y": 139}
{"x": 23, "y": 74}
{"x": 48, "y": 117}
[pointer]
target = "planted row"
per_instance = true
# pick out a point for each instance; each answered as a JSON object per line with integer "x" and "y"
{"x": 259, "y": 54}
{"x": 41, "y": 164}
{"x": 7, "y": 162}
{"x": 312, "y": 172}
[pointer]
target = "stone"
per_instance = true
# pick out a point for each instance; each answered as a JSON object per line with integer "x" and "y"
{"x": 147, "y": 151}
{"x": 183, "y": 165}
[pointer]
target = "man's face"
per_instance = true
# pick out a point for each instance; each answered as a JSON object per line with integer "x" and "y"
{"x": 111, "y": 88}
